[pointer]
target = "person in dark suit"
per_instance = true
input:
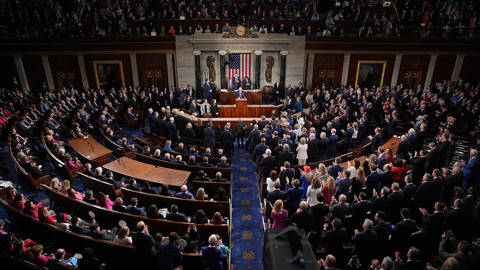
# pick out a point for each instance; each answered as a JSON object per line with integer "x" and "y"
{"x": 320, "y": 213}
{"x": 401, "y": 235}
{"x": 332, "y": 143}
{"x": 431, "y": 158}
{"x": 253, "y": 138}
{"x": 169, "y": 256}
{"x": 209, "y": 136}
{"x": 240, "y": 133}
{"x": 374, "y": 179}
{"x": 266, "y": 164}
{"x": 247, "y": 83}
{"x": 335, "y": 168}
{"x": 471, "y": 171}
{"x": 409, "y": 189}
{"x": 212, "y": 255}
{"x": 259, "y": 150}
{"x": 395, "y": 201}
{"x": 376, "y": 140}
{"x": 172, "y": 131}
{"x": 322, "y": 146}
{"x": 285, "y": 155}
{"x": 294, "y": 195}
{"x": 143, "y": 243}
{"x": 240, "y": 94}
{"x": 278, "y": 92}
{"x": 365, "y": 243}
{"x": 432, "y": 228}
{"x": 273, "y": 196}
{"x": 312, "y": 150}
{"x": 134, "y": 210}
{"x": 285, "y": 173}
{"x": 227, "y": 140}
{"x": 418, "y": 163}
{"x": 236, "y": 82}
{"x": 303, "y": 218}
{"x": 423, "y": 196}
{"x": 458, "y": 221}
{"x": 384, "y": 231}
{"x": 403, "y": 150}
{"x": 207, "y": 90}
{"x": 334, "y": 239}
{"x": 174, "y": 215}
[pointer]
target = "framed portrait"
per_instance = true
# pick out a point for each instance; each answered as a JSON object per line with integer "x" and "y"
{"x": 109, "y": 74}
{"x": 370, "y": 73}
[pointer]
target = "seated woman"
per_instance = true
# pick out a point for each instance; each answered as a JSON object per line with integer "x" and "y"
{"x": 72, "y": 163}
{"x": 118, "y": 205}
{"x": 19, "y": 201}
{"x": 37, "y": 257}
{"x": 221, "y": 195}
{"x": 217, "y": 219}
{"x": 31, "y": 209}
{"x": 65, "y": 187}
{"x": 201, "y": 195}
{"x": 10, "y": 196}
{"x": 73, "y": 194}
{"x": 55, "y": 184}
{"x": 123, "y": 237}
{"x": 199, "y": 217}
{"x": 153, "y": 213}
{"x": 89, "y": 197}
{"x": 104, "y": 201}
{"x": 44, "y": 215}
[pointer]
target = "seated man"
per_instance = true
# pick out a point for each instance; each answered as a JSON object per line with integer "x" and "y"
{"x": 184, "y": 193}
{"x": 134, "y": 209}
{"x": 240, "y": 94}
{"x": 223, "y": 163}
{"x": 174, "y": 215}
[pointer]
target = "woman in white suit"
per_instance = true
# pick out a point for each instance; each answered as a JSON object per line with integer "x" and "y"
{"x": 302, "y": 151}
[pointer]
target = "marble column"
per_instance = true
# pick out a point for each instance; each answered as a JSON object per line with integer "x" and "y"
{"x": 346, "y": 67}
{"x": 134, "y": 66}
{"x": 396, "y": 70}
{"x": 283, "y": 67}
{"x": 431, "y": 69}
{"x": 48, "y": 72}
{"x": 223, "y": 76}
{"x": 309, "y": 70}
{"x": 83, "y": 71}
{"x": 22, "y": 76}
{"x": 258, "y": 62}
{"x": 170, "y": 68}
{"x": 198, "y": 72}
{"x": 458, "y": 67}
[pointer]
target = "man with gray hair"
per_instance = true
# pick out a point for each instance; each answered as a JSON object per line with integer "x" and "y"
{"x": 387, "y": 263}
{"x": 212, "y": 255}
{"x": 471, "y": 171}
{"x": 365, "y": 242}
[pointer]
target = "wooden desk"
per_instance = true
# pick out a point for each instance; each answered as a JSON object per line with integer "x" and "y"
{"x": 90, "y": 149}
{"x": 253, "y": 96}
{"x": 143, "y": 171}
{"x": 392, "y": 143}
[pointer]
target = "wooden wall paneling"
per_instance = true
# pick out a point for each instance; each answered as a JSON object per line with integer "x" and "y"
{"x": 8, "y": 70}
{"x": 33, "y": 66}
{"x": 65, "y": 71}
{"x": 327, "y": 68}
{"x": 352, "y": 69}
{"x": 125, "y": 60}
{"x": 413, "y": 70}
{"x": 152, "y": 69}
{"x": 470, "y": 69}
{"x": 443, "y": 68}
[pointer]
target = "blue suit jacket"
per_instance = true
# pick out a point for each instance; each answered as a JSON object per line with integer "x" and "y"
{"x": 207, "y": 87}
{"x": 235, "y": 83}
{"x": 240, "y": 95}
{"x": 471, "y": 171}
{"x": 212, "y": 258}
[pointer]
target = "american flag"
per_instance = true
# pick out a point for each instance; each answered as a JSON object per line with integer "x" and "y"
{"x": 240, "y": 63}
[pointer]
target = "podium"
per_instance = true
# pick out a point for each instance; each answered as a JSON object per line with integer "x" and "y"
{"x": 241, "y": 104}
{"x": 254, "y": 97}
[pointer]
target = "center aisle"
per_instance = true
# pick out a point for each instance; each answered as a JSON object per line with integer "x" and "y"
{"x": 247, "y": 229}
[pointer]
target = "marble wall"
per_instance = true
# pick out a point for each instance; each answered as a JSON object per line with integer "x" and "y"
{"x": 270, "y": 44}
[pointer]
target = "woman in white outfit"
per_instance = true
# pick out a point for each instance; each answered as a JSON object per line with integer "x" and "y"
{"x": 302, "y": 151}
{"x": 271, "y": 181}
{"x": 313, "y": 190}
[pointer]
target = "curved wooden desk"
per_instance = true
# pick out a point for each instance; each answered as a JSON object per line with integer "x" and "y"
{"x": 90, "y": 149}
{"x": 147, "y": 172}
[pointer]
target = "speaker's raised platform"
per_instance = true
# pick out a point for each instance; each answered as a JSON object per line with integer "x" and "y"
{"x": 241, "y": 108}
{"x": 253, "y": 96}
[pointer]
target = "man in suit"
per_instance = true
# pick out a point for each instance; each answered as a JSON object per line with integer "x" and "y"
{"x": 332, "y": 143}
{"x": 273, "y": 196}
{"x": 423, "y": 196}
{"x": 207, "y": 90}
{"x": 184, "y": 193}
{"x": 403, "y": 149}
{"x": 376, "y": 140}
{"x": 209, "y": 136}
{"x": 97, "y": 233}
{"x": 267, "y": 163}
{"x": 322, "y": 146}
{"x": 334, "y": 239}
{"x": 381, "y": 157}
{"x": 401, "y": 235}
{"x": 343, "y": 185}
{"x": 285, "y": 172}
{"x": 365, "y": 242}
{"x": 409, "y": 189}
{"x": 341, "y": 208}
{"x": 240, "y": 94}
{"x": 312, "y": 150}
{"x": 259, "y": 150}
{"x": 303, "y": 218}
{"x": 236, "y": 81}
{"x": 335, "y": 168}
{"x": 247, "y": 83}
{"x": 172, "y": 131}
{"x": 278, "y": 92}
{"x": 374, "y": 179}
{"x": 431, "y": 158}
{"x": 285, "y": 155}
{"x": 144, "y": 246}
{"x": 320, "y": 213}
{"x": 471, "y": 171}
{"x": 174, "y": 215}
{"x": 384, "y": 231}
{"x": 134, "y": 209}
{"x": 395, "y": 201}
{"x": 240, "y": 133}
{"x": 227, "y": 140}
{"x": 253, "y": 138}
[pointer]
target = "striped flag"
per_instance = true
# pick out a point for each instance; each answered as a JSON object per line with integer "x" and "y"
{"x": 240, "y": 63}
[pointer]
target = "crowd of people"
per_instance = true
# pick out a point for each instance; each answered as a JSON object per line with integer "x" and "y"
{"x": 409, "y": 207}
{"x": 143, "y": 18}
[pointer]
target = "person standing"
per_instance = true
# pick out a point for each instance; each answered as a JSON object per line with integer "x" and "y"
{"x": 207, "y": 88}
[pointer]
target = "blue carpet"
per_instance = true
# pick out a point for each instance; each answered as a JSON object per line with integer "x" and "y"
{"x": 247, "y": 229}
